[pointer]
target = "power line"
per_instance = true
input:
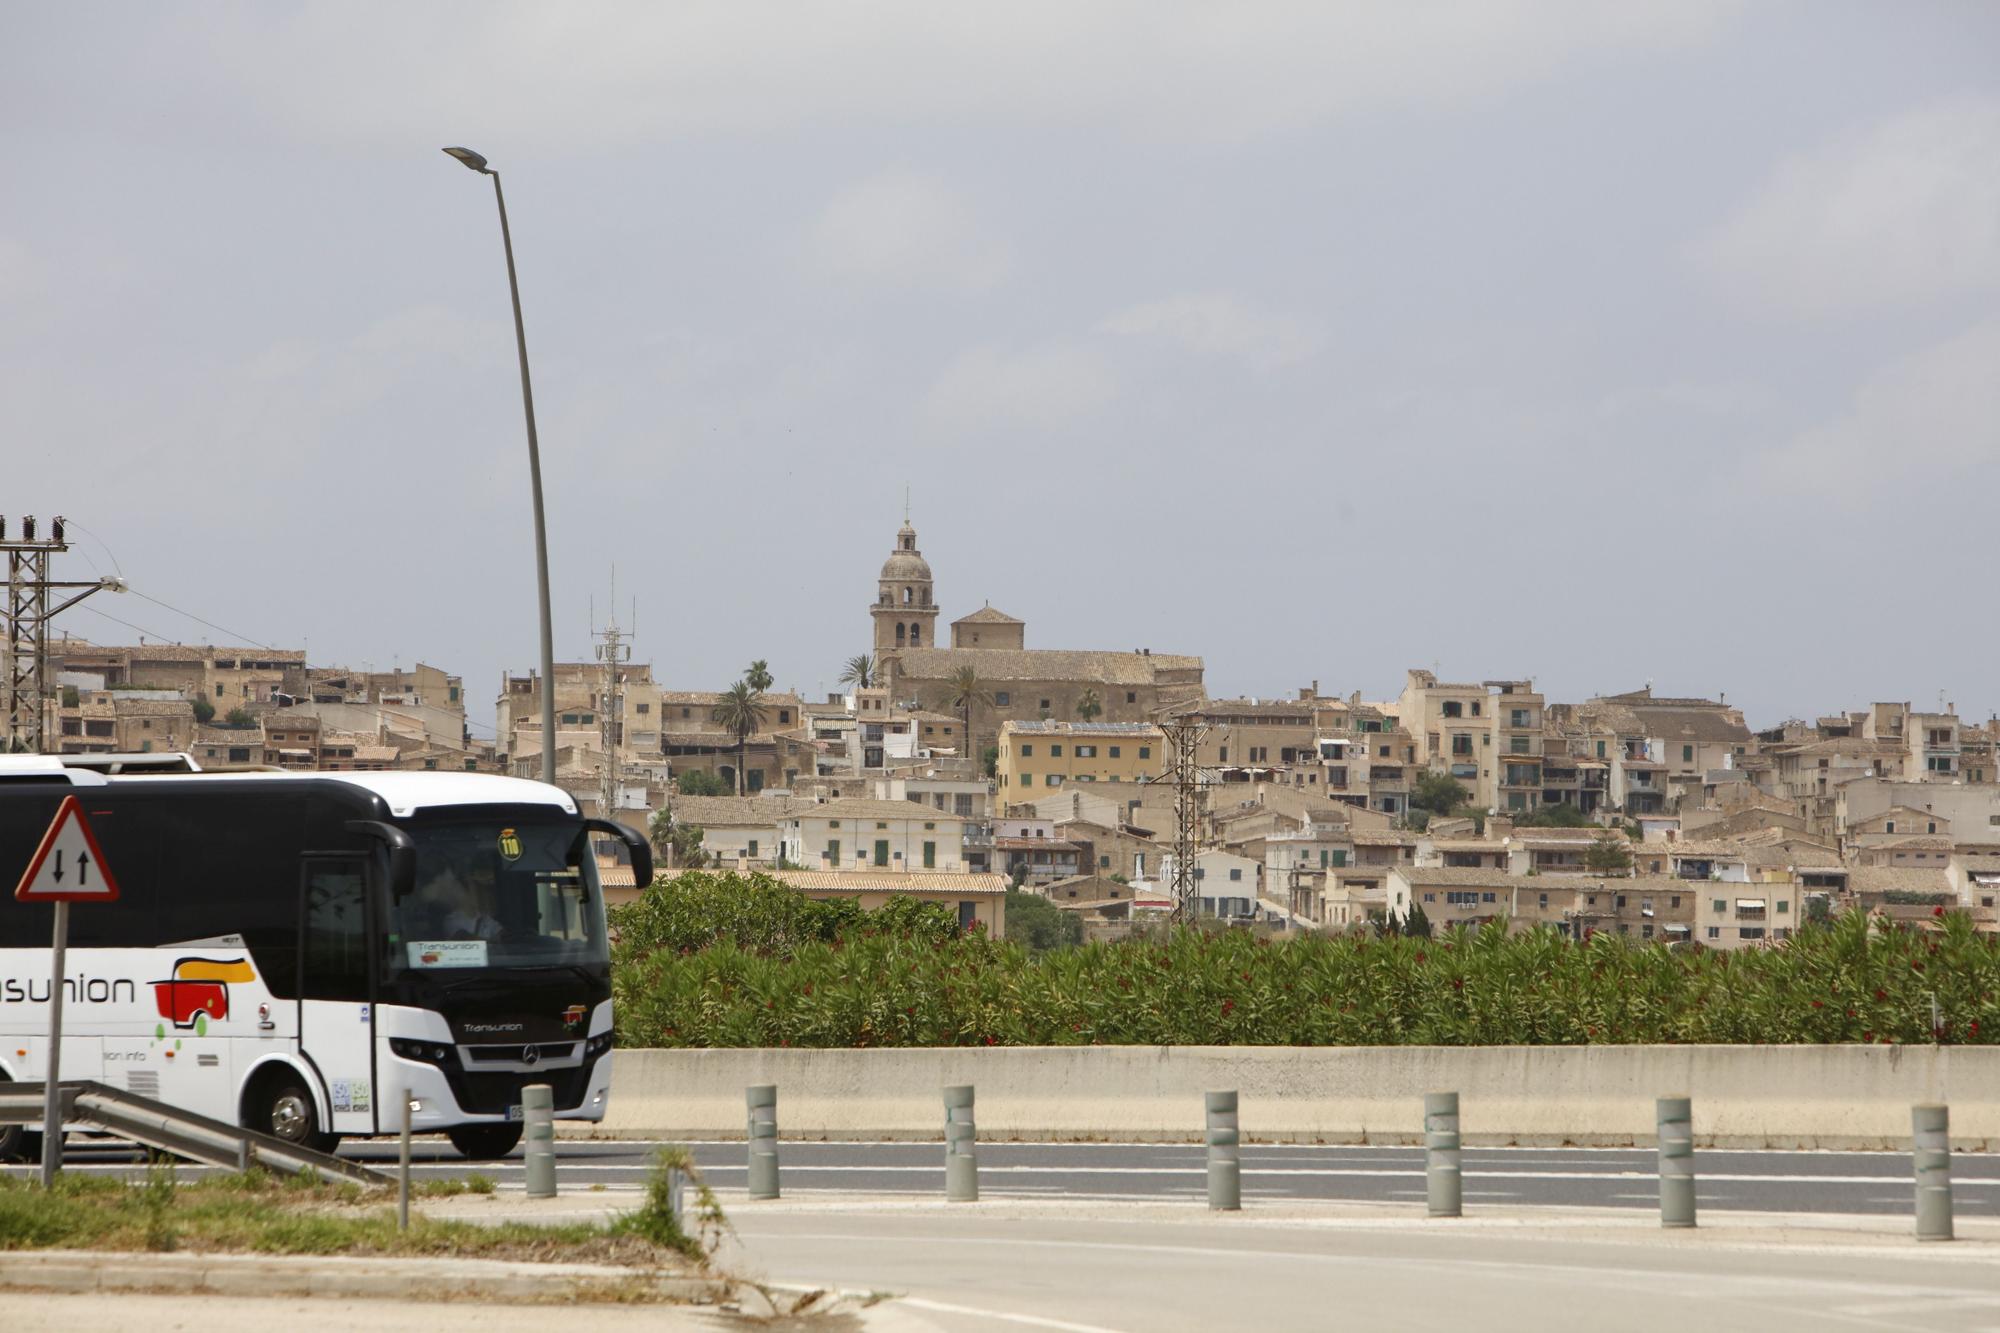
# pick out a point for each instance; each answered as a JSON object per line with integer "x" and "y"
{"x": 220, "y": 629}
{"x": 154, "y": 634}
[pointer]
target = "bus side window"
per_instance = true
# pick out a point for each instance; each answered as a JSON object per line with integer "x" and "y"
{"x": 336, "y": 934}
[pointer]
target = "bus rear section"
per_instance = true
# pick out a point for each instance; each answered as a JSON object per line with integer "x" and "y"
{"x": 299, "y": 953}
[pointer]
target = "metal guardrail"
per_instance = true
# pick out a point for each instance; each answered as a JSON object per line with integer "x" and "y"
{"x": 170, "y": 1129}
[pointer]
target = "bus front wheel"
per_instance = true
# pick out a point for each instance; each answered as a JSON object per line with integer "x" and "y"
{"x": 483, "y": 1143}
{"x": 18, "y": 1143}
{"x": 284, "y": 1109}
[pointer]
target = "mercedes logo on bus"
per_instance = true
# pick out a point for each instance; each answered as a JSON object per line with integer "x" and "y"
{"x": 530, "y": 1054}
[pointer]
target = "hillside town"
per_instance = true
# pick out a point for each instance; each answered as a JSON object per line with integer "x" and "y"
{"x": 958, "y": 764}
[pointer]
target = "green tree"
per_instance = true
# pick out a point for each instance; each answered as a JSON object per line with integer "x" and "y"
{"x": 204, "y": 711}
{"x": 239, "y": 719}
{"x": 759, "y": 675}
{"x": 1608, "y": 854}
{"x": 859, "y": 671}
{"x": 71, "y": 696}
{"x": 1089, "y": 707}
{"x": 989, "y": 761}
{"x": 1417, "y": 925}
{"x": 694, "y": 782}
{"x": 678, "y": 844}
{"x": 1438, "y": 793}
{"x": 961, "y": 692}
{"x": 1038, "y": 923}
{"x": 740, "y": 713}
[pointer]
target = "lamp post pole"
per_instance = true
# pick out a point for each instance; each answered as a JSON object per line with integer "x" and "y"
{"x": 477, "y": 163}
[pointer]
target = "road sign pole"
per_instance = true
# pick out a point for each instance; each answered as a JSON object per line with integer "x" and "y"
{"x": 67, "y": 867}
{"x": 51, "y": 1098}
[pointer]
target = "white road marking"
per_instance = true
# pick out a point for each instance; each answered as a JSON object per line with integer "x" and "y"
{"x": 1004, "y": 1316}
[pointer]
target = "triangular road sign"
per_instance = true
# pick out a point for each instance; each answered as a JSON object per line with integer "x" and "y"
{"x": 68, "y": 866}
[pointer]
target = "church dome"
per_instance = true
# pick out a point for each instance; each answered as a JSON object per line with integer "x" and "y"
{"x": 905, "y": 564}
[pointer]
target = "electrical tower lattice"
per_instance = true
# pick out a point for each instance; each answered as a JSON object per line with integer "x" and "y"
{"x": 24, "y": 671}
{"x": 1185, "y": 732}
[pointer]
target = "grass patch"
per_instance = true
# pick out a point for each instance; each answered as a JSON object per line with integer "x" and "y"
{"x": 451, "y": 1188}
{"x": 262, "y": 1214}
{"x": 695, "y": 1227}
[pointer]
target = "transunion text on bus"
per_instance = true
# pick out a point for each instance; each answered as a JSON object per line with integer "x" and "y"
{"x": 76, "y": 990}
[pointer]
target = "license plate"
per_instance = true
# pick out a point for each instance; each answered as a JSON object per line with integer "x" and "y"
{"x": 514, "y": 1113}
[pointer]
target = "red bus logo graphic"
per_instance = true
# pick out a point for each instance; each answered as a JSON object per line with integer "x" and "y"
{"x": 199, "y": 990}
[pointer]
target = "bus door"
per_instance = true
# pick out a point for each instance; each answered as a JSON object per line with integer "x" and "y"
{"x": 336, "y": 992}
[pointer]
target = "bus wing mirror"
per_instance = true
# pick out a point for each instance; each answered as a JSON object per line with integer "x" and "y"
{"x": 635, "y": 843}
{"x": 402, "y": 853}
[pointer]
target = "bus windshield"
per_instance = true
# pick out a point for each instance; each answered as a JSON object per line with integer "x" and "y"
{"x": 499, "y": 894}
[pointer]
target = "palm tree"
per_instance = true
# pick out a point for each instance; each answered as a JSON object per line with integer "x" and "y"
{"x": 961, "y": 693}
{"x": 759, "y": 675}
{"x": 741, "y": 712}
{"x": 860, "y": 672}
{"x": 1088, "y": 707}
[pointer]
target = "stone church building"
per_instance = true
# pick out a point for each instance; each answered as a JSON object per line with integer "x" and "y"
{"x": 1022, "y": 684}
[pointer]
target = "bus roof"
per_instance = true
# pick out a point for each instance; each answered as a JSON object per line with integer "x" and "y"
{"x": 405, "y": 793}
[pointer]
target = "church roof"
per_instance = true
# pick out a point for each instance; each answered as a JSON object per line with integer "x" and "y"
{"x": 1038, "y": 664}
{"x": 987, "y": 615}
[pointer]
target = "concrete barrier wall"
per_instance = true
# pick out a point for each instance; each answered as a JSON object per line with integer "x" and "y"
{"x": 1744, "y": 1096}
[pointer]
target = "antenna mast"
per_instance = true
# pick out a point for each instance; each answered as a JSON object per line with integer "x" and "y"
{"x": 613, "y": 651}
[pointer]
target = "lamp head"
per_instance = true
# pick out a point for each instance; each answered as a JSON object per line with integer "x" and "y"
{"x": 471, "y": 159}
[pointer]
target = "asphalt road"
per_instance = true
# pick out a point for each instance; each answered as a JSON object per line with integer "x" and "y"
{"x": 1802, "y": 1182}
{"x": 1126, "y": 1269}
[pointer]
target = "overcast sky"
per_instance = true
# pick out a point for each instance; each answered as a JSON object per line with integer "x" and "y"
{"x": 1588, "y": 342}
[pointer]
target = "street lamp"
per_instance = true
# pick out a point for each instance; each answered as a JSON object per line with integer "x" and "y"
{"x": 473, "y": 161}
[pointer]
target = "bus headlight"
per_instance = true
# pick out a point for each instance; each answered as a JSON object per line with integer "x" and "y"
{"x": 597, "y": 1046}
{"x": 426, "y": 1052}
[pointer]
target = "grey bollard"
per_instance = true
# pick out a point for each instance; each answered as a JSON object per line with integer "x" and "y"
{"x": 1931, "y": 1152}
{"x": 763, "y": 1130}
{"x": 538, "y": 1114}
{"x": 1442, "y": 1177}
{"x": 961, "y": 1163}
{"x": 1225, "y": 1164}
{"x": 1676, "y": 1122}
{"x": 403, "y": 1167}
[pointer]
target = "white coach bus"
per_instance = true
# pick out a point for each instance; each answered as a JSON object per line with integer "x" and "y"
{"x": 293, "y": 952}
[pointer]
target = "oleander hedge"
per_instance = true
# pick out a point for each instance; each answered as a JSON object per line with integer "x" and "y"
{"x": 736, "y": 961}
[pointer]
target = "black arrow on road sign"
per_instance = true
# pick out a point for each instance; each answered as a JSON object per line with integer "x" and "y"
{"x": 83, "y": 868}
{"x": 58, "y": 865}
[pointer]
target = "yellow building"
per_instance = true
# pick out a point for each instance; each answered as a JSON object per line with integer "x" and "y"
{"x": 1036, "y": 757}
